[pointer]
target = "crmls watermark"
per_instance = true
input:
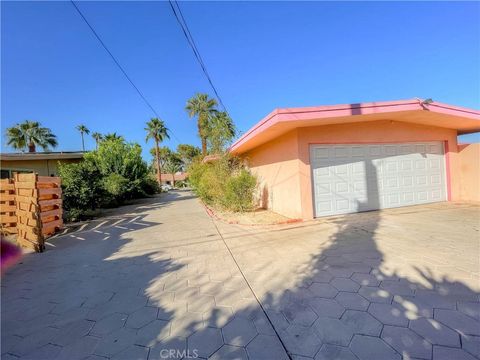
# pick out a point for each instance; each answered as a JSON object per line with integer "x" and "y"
{"x": 178, "y": 354}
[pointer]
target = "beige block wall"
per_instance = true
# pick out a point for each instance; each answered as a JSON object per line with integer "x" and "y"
{"x": 276, "y": 166}
{"x": 41, "y": 167}
{"x": 469, "y": 159}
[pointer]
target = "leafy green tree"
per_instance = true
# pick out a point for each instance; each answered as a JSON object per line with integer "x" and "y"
{"x": 187, "y": 153}
{"x": 29, "y": 135}
{"x": 157, "y": 131}
{"x": 83, "y": 130}
{"x": 97, "y": 137}
{"x": 221, "y": 131}
{"x": 164, "y": 153}
{"x": 202, "y": 107}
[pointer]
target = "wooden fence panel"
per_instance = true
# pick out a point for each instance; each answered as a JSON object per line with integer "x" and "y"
{"x": 8, "y": 218}
{"x": 38, "y": 208}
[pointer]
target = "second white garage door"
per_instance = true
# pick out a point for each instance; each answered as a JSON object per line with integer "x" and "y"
{"x": 352, "y": 178}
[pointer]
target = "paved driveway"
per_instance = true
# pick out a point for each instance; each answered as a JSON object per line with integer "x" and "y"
{"x": 163, "y": 281}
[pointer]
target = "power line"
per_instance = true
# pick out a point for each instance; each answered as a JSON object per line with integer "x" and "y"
{"x": 119, "y": 66}
{"x": 188, "y": 35}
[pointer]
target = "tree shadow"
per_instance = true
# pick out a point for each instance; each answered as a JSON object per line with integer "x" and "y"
{"x": 170, "y": 289}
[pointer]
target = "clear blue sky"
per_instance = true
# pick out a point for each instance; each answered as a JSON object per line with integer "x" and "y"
{"x": 261, "y": 55}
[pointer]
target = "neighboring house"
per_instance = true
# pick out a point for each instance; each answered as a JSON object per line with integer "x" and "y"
{"x": 168, "y": 178}
{"x": 329, "y": 160}
{"x": 43, "y": 163}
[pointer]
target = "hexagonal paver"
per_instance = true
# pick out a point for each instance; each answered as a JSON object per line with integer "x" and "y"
{"x": 361, "y": 323}
{"x": 471, "y": 344}
{"x": 343, "y": 284}
{"x": 365, "y": 279}
{"x": 333, "y": 331}
{"x": 239, "y": 332}
{"x": 132, "y": 352}
{"x": 406, "y": 342}
{"x": 323, "y": 290}
{"x": 352, "y": 301}
{"x": 34, "y": 341}
{"x": 115, "y": 342}
{"x": 229, "y": 352}
{"x": 458, "y": 321}
{"x": 152, "y": 333}
{"x": 396, "y": 287}
{"x": 340, "y": 271}
{"x": 142, "y": 317}
{"x": 299, "y": 314}
{"x": 108, "y": 324}
{"x": 372, "y": 348}
{"x": 218, "y": 317}
{"x": 48, "y": 351}
{"x": 200, "y": 303}
{"x": 329, "y": 352}
{"x": 389, "y": 314}
{"x": 375, "y": 294}
{"x": 79, "y": 349}
{"x": 470, "y": 308}
{"x": 321, "y": 276}
{"x": 71, "y": 332}
{"x": 435, "y": 332}
{"x": 326, "y": 307}
{"x": 264, "y": 327}
{"x": 300, "y": 340}
{"x": 266, "y": 347}
{"x": 446, "y": 353}
{"x": 205, "y": 341}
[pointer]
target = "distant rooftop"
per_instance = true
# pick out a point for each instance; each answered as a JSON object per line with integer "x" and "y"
{"x": 47, "y": 155}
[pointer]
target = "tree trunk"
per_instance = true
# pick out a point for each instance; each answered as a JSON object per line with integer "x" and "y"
{"x": 83, "y": 144}
{"x": 157, "y": 160}
{"x": 31, "y": 148}
{"x": 173, "y": 180}
{"x": 202, "y": 136}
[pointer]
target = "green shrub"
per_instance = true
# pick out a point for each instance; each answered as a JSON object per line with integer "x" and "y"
{"x": 82, "y": 188}
{"x": 105, "y": 178}
{"x": 223, "y": 183}
{"x": 239, "y": 191}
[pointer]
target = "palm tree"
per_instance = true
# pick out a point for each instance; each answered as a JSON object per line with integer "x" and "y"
{"x": 157, "y": 131}
{"x": 83, "y": 130}
{"x": 113, "y": 136}
{"x": 97, "y": 137}
{"x": 221, "y": 130}
{"x": 203, "y": 108}
{"x": 29, "y": 134}
{"x": 172, "y": 167}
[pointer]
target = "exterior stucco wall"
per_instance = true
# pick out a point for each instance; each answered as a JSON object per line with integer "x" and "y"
{"x": 469, "y": 159}
{"x": 283, "y": 165}
{"x": 42, "y": 167}
{"x": 276, "y": 166}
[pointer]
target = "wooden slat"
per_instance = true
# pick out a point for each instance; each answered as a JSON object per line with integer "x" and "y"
{"x": 7, "y": 208}
{"x": 54, "y": 212}
{"x": 26, "y": 199}
{"x": 51, "y": 191}
{"x": 25, "y": 185}
{"x": 26, "y": 177}
{"x": 43, "y": 203}
{"x": 7, "y": 187}
{"x": 7, "y": 197}
{"x": 49, "y": 179}
{"x": 8, "y": 219}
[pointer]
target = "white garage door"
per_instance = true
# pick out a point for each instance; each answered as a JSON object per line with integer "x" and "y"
{"x": 352, "y": 178}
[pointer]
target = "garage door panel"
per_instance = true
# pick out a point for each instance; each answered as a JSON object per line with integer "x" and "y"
{"x": 351, "y": 178}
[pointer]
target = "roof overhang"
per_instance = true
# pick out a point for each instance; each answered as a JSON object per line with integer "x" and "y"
{"x": 281, "y": 121}
{"x": 40, "y": 156}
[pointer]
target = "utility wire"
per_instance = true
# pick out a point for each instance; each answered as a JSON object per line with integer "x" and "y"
{"x": 188, "y": 35}
{"x": 119, "y": 66}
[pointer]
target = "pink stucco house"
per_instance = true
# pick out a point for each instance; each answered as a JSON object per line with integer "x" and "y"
{"x": 329, "y": 160}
